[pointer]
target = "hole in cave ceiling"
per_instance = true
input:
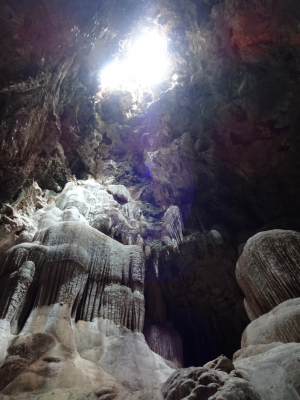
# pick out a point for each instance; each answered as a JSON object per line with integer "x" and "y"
{"x": 144, "y": 64}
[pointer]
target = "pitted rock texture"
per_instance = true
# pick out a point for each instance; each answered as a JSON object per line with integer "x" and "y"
{"x": 282, "y": 324}
{"x": 268, "y": 270}
{"x": 221, "y": 363}
{"x": 207, "y": 384}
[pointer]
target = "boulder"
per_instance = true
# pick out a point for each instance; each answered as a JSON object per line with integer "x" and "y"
{"x": 268, "y": 270}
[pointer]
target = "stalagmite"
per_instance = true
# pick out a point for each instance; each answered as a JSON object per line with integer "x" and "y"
{"x": 268, "y": 270}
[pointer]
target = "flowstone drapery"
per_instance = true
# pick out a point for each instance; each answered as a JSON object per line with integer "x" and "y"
{"x": 70, "y": 262}
{"x": 79, "y": 262}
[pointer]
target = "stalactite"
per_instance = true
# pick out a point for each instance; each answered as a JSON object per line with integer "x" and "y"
{"x": 13, "y": 290}
{"x": 173, "y": 227}
{"x": 79, "y": 266}
{"x": 117, "y": 302}
{"x": 75, "y": 261}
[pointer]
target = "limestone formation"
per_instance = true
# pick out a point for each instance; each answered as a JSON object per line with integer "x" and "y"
{"x": 122, "y": 306}
{"x": 14, "y": 288}
{"x": 173, "y": 227}
{"x": 74, "y": 263}
{"x": 70, "y": 272}
{"x": 268, "y": 270}
{"x": 221, "y": 363}
{"x": 165, "y": 341}
{"x": 273, "y": 369}
{"x": 282, "y": 324}
{"x": 203, "y": 383}
{"x": 23, "y": 351}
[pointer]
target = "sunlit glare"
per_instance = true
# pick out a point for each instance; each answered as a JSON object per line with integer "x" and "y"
{"x": 145, "y": 65}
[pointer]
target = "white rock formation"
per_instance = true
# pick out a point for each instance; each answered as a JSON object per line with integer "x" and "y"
{"x": 282, "y": 324}
{"x": 74, "y": 298}
{"x": 274, "y": 369}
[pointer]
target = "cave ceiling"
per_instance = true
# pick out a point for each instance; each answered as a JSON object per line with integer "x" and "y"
{"x": 222, "y": 139}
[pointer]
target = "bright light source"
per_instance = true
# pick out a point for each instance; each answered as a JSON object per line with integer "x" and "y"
{"x": 145, "y": 65}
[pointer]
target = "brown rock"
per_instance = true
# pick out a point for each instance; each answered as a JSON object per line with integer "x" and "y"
{"x": 221, "y": 363}
{"x": 202, "y": 383}
{"x": 23, "y": 351}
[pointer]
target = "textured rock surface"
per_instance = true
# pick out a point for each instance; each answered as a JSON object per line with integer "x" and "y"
{"x": 221, "y": 363}
{"x": 273, "y": 369}
{"x": 14, "y": 288}
{"x": 268, "y": 270}
{"x": 282, "y": 324}
{"x": 203, "y": 383}
{"x": 165, "y": 341}
{"x": 73, "y": 272}
{"x": 195, "y": 141}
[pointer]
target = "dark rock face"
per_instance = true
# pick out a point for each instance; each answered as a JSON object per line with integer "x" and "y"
{"x": 237, "y": 96}
{"x": 201, "y": 297}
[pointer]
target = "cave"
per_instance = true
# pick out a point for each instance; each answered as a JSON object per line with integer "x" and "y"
{"x": 149, "y": 200}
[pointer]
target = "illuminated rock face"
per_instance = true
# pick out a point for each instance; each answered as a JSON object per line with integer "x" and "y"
{"x": 282, "y": 324}
{"x": 268, "y": 270}
{"x": 74, "y": 264}
{"x": 73, "y": 272}
{"x": 268, "y": 273}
